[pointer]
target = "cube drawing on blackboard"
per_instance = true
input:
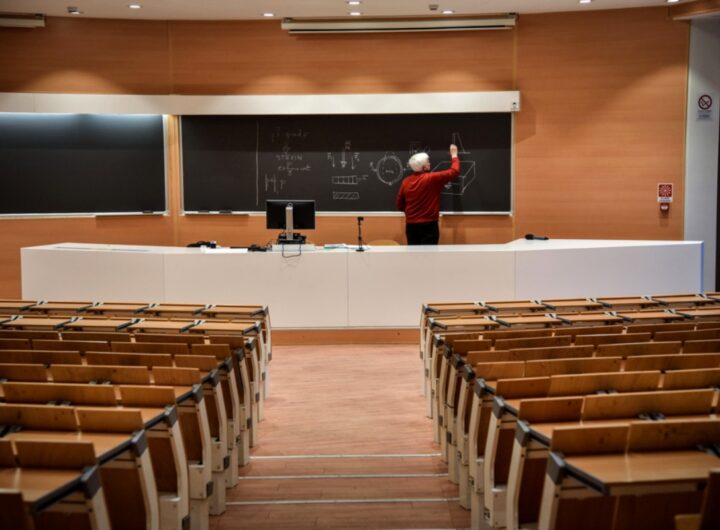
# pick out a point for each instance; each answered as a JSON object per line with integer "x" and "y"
{"x": 460, "y": 183}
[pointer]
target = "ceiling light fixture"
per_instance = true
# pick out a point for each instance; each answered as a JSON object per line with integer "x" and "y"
{"x": 135, "y": 6}
{"x": 585, "y": 1}
{"x": 268, "y": 15}
{"x": 355, "y": 13}
{"x": 354, "y": 2}
{"x": 72, "y": 10}
{"x": 448, "y": 12}
{"x": 672, "y": 1}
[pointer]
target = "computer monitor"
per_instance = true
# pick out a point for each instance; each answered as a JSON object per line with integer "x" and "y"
{"x": 289, "y": 215}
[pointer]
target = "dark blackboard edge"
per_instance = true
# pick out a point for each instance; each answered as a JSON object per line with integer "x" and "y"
{"x": 78, "y": 214}
{"x": 216, "y": 212}
{"x": 126, "y": 214}
{"x": 342, "y": 213}
{"x": 504, "y": 214}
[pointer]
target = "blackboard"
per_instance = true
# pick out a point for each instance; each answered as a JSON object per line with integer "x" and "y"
{"x": 347, "y": 163}
{"x": 81, "y": 163}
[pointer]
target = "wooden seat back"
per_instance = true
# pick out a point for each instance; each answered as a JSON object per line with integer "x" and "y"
{"x": 59, "y": 392}
{"x": 576, "y": 331}
{"x": 28, "y": 334}
{"x": 23, "y": 372}
{"x": 579, "y": 384}
{"x": 173, "y": 348}
{"x": 55, "y": 454}
{"x": 40, "y": 357}
{"x": 121, "y": 375}
{"x": 692, "y": 378}
{"x": 13, "y": 513}
{"x": 673, "y": 362}
{"x": 171, "y": 337}
{"x": 129, "y": 359}
{"x": 59, "y": 418}
{"x": 701, "y": 346}
{"x": 632, "y": 404}
{"x": 70, "y": 345}
{"x": 105, "y": 336}
{"x": 516, "y": 333}
{"x": 572, "y": 366}
{"x": 532, "y": 342}
{"x": 468, "y": 345}
{"x": 612, "y": 338}
{"x": 638, "y": 348}
{"x": 15, "y": 344}
{"x": 556, "y": 352}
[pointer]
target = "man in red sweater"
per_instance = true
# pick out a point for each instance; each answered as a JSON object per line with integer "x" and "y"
{"x": 419, "y": 197}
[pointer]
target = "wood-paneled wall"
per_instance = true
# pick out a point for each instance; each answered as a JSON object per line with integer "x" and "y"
{"x": 602, "y": 120}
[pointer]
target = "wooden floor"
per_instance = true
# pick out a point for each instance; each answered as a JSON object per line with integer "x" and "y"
{"x": 344, "y": 444}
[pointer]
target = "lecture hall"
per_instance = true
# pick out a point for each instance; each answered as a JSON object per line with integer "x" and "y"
{"x": 359, "y": 264}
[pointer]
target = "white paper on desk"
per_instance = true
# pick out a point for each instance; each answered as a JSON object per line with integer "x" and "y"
{"x": 208, "y": 250}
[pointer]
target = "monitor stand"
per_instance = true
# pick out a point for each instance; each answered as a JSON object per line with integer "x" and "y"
{"x": 294, "y": 238}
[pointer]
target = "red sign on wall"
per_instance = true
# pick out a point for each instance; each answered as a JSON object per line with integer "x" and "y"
{"x": 665, "y": 192}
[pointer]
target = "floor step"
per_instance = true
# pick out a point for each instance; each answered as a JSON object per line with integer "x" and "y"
{"x": 323, "y": 489}
{"x": 343, "y": 465}
{"x": 355, "y": 516}
{"x": 344, "y": 445}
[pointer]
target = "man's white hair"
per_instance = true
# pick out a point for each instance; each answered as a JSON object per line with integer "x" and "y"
{"x": 417, "y": 161}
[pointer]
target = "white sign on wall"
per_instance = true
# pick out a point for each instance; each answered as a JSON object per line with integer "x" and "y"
{"x": 706, "y": 105}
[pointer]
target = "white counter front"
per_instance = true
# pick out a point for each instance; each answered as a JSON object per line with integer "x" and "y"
{"x": 381, "y": 287}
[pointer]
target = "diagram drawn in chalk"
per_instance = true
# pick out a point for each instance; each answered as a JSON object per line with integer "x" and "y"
{"x": 271, "y": 182}
{"x": 389, "y": 169}
{"x": 289, "y": 169}
{"x": 345, "y": 195}
{"x": 415, "y": 147}
{"x": 460, "y": 183}
{"x": 347, "y": 157}
{"x": 348, "y": 180}
{"x": 457, "y": 140}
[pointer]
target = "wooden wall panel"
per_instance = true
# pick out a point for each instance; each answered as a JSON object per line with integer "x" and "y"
{"x": 260, "y": 58}
{"x": 245, "y": 230}
{"x": 602, "y": 122}
{"x": 18, "y": 233}
{"x": 86, "y": 56}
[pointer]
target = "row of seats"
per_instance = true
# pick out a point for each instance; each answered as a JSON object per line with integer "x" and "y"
{"x": 497, "y": 397}
{"x": 155, "y": 420}
{"x": 142, "y": 311}
{"x": 65, "y": 323}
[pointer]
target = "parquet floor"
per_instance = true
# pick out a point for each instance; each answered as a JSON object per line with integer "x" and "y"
{"x": 344, "y": 445}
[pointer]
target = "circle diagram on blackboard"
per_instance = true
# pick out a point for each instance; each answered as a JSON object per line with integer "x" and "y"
{"x": 389, "y": 169}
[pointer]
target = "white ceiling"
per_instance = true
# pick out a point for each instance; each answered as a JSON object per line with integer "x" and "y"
{"x": 254, "y": 9}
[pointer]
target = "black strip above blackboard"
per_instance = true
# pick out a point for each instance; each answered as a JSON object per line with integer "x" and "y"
{"x": 346, "y": 163}
{"x": 81, "y": 163}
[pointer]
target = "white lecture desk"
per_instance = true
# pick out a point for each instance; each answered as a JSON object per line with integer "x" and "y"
{"x": 381, "y": 287}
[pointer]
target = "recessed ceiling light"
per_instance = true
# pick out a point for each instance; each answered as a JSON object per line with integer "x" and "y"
{"x": 585, "y": 1}
{"x": 268, "y": 15}
{"x": 135, "y": 6}
{"x": 354, "y": 2}
{"x": 74, "y": 10}
{"x": 672, "y": 1}
{"x": 448, "y": 12}
{"x": 355, "y": 13}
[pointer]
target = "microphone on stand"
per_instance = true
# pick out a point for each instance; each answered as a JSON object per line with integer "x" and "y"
{"x": 537, "y": 238}
{"x": 360, "y": 238}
